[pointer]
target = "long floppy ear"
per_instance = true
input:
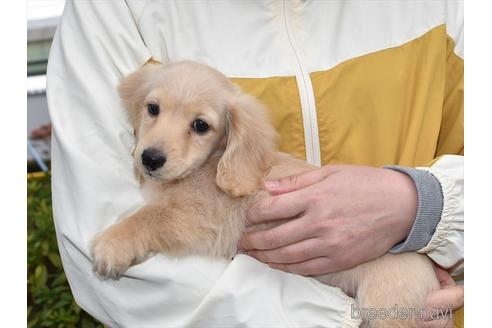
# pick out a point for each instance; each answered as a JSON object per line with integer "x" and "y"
{"x": 134, "y": 88}
{"x": 251, "y": 142}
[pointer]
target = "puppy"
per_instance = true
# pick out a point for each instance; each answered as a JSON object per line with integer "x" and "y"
{"x": 203, "y": 149}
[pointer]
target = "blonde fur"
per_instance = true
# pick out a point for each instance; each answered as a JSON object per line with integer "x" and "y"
{"x": 197, "y": 202}
{"x": 250, "y": 147}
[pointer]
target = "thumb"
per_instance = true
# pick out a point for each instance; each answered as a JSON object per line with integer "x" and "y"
{"x": 451, "y": 298}
{"x": 444, "y": 278}
{"x": 295, "y": 182}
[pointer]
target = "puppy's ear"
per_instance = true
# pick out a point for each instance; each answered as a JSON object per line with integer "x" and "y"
{"x": 251, "y": 142}
{"x": 134, "y": 88}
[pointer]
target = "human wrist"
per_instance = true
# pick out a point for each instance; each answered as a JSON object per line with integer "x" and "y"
{"x": 429, "y": 209}
{"x": 407, "y": 202}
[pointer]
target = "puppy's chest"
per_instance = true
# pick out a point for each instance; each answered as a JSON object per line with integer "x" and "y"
{"x": 197, "y": 190}
{"x": 221, "y": 217}
{"x": 153, "y": 192}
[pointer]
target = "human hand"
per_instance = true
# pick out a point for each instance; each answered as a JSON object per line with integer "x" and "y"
{"x": 441, "y": 301}
{"x": 341, "y": 216}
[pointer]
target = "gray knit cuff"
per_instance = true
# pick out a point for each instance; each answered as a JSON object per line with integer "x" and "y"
{"x": 430, "y": 204}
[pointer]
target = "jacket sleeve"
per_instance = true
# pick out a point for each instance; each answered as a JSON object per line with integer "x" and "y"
{"x": 439, "y": 231}
{"x": 446, "y": 246}
{"x": 97, "y": 43}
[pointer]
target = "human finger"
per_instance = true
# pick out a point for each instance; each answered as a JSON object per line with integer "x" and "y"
{"x": 278, "y": 236}
{"x": 319, "y": 265}
{"x": 277, "y": 208}
{"x": 292, "y": 253}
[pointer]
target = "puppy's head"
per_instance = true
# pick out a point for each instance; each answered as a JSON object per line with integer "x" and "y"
{"x": 184, "y": 112}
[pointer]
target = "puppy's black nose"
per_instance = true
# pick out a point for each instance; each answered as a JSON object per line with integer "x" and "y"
{"x": 152, "y": 159}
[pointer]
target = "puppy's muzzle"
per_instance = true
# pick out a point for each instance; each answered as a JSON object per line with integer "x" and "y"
{"x": 152, "y": 159}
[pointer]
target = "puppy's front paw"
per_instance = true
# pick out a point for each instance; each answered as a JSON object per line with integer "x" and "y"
{"x": 112, "y": 254}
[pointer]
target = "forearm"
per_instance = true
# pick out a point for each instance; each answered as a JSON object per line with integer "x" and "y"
{"x": 446, "y": 247}
{"x": 438, "y": 229}
{"x": 429, "y": 209}
{"x": 156, "y": 228}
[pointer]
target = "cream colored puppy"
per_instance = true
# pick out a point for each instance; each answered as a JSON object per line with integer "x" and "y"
{"x": 203, "y": 149}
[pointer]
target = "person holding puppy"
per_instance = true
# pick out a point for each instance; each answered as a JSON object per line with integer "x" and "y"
{"x": 376, "y": 85}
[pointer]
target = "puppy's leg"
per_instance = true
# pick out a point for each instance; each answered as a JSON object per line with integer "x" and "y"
{"x": 389, "y": 291}
{"x": 398, "y": 284}
{"x": 154, "y": 228}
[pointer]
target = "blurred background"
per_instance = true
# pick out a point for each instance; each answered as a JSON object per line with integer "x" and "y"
{"x": 49, "y": 299}
{"x": 42, "y": 20}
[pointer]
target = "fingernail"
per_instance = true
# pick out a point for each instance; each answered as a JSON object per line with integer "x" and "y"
{"x": 272, "y": 184}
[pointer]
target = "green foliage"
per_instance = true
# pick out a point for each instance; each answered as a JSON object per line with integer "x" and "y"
{"x": 49, "y": 299}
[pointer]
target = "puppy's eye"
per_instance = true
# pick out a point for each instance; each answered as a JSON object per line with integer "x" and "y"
{"x": 200, "y": 126}
{"x": 153, "y": 109}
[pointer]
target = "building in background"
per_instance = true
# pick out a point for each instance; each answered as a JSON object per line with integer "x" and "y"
{"x": 43, "y": 18}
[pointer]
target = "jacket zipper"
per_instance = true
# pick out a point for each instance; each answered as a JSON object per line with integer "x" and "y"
{"x": 308, "y": 104}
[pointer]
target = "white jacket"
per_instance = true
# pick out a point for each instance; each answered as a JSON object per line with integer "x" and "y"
{"x": 93, "y": 184}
